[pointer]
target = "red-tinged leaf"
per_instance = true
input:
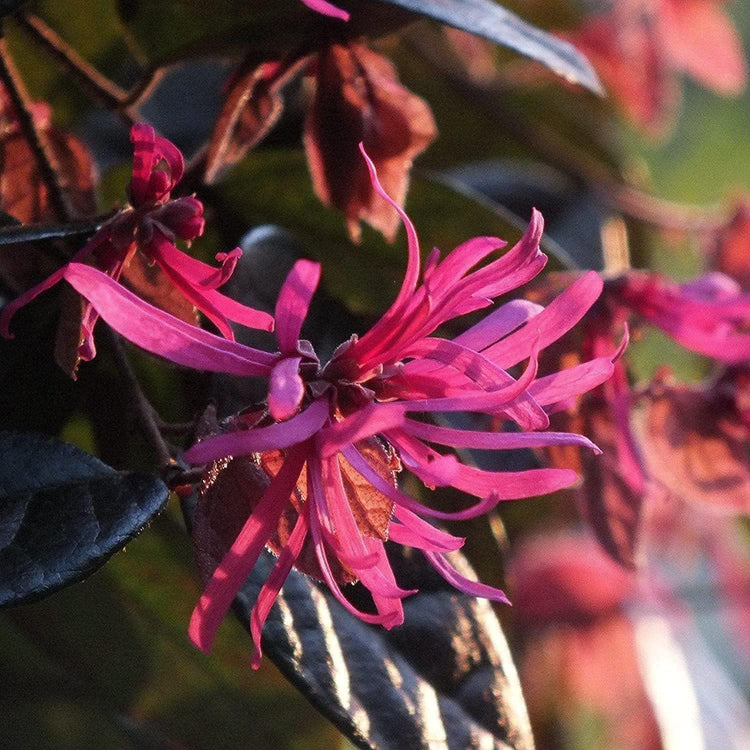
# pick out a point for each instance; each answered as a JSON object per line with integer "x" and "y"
{"x": 23, "y": 195}
{"x": 696, "y": 443}
{"x": 626, "y": 52}
{"x": 252, "y": 106}
{"x": 151, "y": 284}
{"x": 233, "y": 487}
{"x": 731, "y": 252}
{"x": 22, "y": 191}
{"x": 359, "y": 99}
{"x": 700, "y": 39}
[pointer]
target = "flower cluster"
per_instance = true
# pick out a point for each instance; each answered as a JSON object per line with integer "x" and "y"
{"x": 355, "y": 414}
{"x": 151, "y": 224}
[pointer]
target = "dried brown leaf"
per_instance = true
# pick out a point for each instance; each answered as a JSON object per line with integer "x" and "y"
{"x": 696, "y": 443}
{"x": 233, "y": 487}
{"x": 359, "y": 99}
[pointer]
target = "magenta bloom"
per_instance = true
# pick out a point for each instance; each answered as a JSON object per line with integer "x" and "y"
{"x": 709, "y": 315}
{"x": 151, "y": 224}
{"x": 328, "y": 420}
{"x": 327, "y": 9}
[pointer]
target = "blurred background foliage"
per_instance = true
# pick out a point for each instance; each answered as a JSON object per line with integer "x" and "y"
{"x": 107, "y": 663}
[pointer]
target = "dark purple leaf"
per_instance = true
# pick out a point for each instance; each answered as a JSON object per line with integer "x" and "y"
{"x": 444, "y": 677}
{"x": 63, "y": 514}
{"x": 489, "y": 20}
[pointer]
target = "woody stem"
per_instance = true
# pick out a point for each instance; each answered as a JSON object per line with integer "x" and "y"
{"x": 47, "y": 164}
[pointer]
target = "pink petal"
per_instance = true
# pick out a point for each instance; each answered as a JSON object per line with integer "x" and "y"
{"x": 318, "y": 499}
{"x": 361, "y": 424}
{"x": 511, "y": 485}
{"x": 554, "y": 321}
{"x": 415, "y": 532}
{"x": 350, "y": 538}
{"x": 259, "y": 439}
{"x": 195, "y": 271}
{"x": 274, "y": 582}
{"x": 327, "y": 9}
{"x": 6, "y": 314}
{"x": 161, "y": 333}
{"x": 566, "y": 384}
{"x": 173, "y": 156}
{"x": 372, "y": 341}
{"x": 214, "y": 305}
{"x": 487, "y": 401}
{"x": 285, "y": 389}
{"x": 144, "y": 146}
{"x": 234, "y": 569}
{"x": 498, "y": 324}
{"x": 503, "y": 485}
{"x": 361, "y": 465}
{"x": 460, "y": 260}
{"x": 519, "y": 265}
{"x": 293, "y": 303}
{"x": 472, "y": 588}
{"x": 493, "y": 440}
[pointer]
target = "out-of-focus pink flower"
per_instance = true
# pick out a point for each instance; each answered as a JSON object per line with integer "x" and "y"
{"x": 618, "y": 647}
{"x": 328, "y": 422}
{"x": 150, "y": 225}
{"x": 579, "y": 655}
{"x": 638, "y": 47}
{"x": 327, "y": 9}
{"x": 709, "y": 315}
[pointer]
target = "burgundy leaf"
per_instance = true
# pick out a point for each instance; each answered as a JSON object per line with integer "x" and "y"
{"x": 695, "y": 443}
{"x": 359, "y": 99}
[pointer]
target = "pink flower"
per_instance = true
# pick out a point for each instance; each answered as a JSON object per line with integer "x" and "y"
{"x": 709, "y": 315}
{"x": 327, "y": 9}
{"x": 328, "y": 421}
{"x": 151, "y": 224}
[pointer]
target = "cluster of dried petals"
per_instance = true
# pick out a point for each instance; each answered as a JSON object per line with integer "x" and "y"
{"x": 150, "y": 225}
{"x": 639, "y": 46}
{"x": 351, "y": 417}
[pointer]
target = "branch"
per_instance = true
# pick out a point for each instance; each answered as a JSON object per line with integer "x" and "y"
{"x": 143, "y": 409}
{"x": 47, "y": 163}
{"x": 575, "y": 162}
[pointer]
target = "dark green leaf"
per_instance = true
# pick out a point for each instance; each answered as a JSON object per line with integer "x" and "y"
{"x": 63, "y": 514}
{"x": 269, "y": 29}
{"x": 274, "y": 186}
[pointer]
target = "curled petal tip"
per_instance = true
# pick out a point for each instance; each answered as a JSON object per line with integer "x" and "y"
{"x": 623, "y": 344}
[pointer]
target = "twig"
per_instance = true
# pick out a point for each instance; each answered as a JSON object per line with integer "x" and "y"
{"x": 575, "y": 162}
{"x": 109, "y": 93}
{"x": 47, "y": 163}
{"x": 20, "y": 233}
{"x": 142, "y": 406}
